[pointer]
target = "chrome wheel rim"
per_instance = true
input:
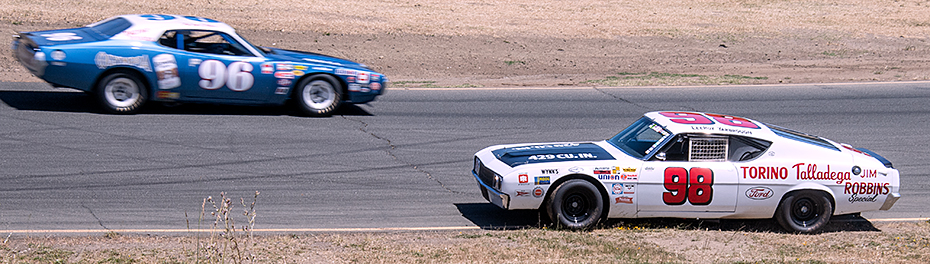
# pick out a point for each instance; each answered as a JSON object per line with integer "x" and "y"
{"x": 319, "y": 94}
{"x": 122, "y": 92}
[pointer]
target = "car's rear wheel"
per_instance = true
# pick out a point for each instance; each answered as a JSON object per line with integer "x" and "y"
{"x": 121, "y": 93}
{"x": 318, "y": 95}
{"x": 575, "y": 204}
{"x": 804, "y": 211}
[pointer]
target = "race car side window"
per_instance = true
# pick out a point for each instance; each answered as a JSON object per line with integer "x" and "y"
{"x": 703, "y": 147}
{"x": 202, "y": 41}
{"x": 746, "y": 148}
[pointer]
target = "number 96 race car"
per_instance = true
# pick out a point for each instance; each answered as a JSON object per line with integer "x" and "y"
{"x": 130, "y": 59}
{"x": 690, "y": 165}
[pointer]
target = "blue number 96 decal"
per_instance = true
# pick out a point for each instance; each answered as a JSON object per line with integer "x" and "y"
{"x": 158, "y": 17}
{"x": 201, "y": 19}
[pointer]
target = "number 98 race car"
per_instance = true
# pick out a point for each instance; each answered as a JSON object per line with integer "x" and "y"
{"x": 130, "y": 59}
{"x": 690, "y": 165}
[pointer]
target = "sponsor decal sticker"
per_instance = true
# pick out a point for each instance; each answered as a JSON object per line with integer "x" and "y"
{"x": 104, "y": 60}
{"x": 375, "y": 77}
{"x": 322, "y": 69}
{"x": 522, "y": 193}
{"x": 284, "y": 67}
{"x": 523, "y": 178}
{"x": 194, "y": 62}
{"x": 617, "y": 188}
{"x": 629, "y": 177}
{"x": 300, "y": 67}
{"x": 629, "y": 169}
{"x": 284, "y": 75}
{"x": 608, "y": 177}
{"x": 375, "y": 86}
{"x": 284, "y": 82}
{"x": 759, "y": 193}
{"x": 538, "y": 192}
{"x": 575, "y": 169}
{"x": 298, "y": 73}
{"x": 166, "y": 71}
{"x": 363, "y": 77}
{"x": 549, "y": 171}
{"x": 281, "y": 90}
{"x": 602, "y": 170}
{"x": 629, "y": 188}
{"x": 354, "y": 87}
{"x": 624, "y": 199}
{"x": 267, "y": 68}
{"x": 167, "y": 95}
{"x": 542, "y": 180}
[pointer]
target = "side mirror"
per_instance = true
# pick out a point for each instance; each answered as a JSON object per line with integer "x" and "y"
{"x": 660, "y": 156}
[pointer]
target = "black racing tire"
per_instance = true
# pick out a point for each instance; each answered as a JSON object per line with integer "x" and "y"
{"x": 318, "y": 95}
{"x": 805, "y": 212}
{"x": 122, "y": 93}
{"x": 575, "y": 204}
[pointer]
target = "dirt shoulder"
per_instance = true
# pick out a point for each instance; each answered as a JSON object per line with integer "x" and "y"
{"x": 550, "y": 43}
{"x": 636, "y": 242}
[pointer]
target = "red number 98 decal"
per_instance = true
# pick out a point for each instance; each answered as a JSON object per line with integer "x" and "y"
{"x": 687, "y": 118}
{"x": 695, "y": 185}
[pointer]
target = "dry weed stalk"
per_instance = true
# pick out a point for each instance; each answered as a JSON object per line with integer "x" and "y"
{"x": 223, "y": 244}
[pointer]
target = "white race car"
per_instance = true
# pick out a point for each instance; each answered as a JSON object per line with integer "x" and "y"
{"x": 690, "y": 165}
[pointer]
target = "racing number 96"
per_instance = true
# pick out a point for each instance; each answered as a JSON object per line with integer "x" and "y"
{"x": 694, "y": 185}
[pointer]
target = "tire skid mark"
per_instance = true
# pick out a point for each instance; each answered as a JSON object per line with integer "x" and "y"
{"x": 390, "y": 152}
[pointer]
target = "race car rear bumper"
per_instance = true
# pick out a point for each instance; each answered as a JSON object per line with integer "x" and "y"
{"x": 500, "y": 199}
{"x": 892, "y": 198}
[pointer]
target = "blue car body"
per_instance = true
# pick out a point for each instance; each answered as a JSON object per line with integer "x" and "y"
{"x": 217, "y": 67}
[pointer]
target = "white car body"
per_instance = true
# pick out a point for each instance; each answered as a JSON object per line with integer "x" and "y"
{"x": 716, "y": 182}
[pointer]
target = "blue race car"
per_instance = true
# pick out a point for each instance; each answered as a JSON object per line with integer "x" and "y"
{"x": 128, "y": 60}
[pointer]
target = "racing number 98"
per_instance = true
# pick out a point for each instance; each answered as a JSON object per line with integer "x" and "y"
{"x": 694, "y": 185}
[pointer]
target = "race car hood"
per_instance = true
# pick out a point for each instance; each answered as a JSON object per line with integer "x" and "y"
{"x": 557, "y": 152}
{"x": 63, "y": 36}
{"x": 293, "y": 55}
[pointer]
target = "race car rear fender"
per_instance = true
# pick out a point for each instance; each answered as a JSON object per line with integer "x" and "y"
{"x": 808, "y": 186}
{"x": 127, "y": 70}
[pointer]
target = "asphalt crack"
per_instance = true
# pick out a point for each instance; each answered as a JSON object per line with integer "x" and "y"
{"x": 390, "y": 152}
{"x": 100, "y": 222}
{"x": 618, "y": 98}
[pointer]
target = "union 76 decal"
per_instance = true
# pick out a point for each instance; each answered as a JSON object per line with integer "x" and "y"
{"x": 695, "y": 185}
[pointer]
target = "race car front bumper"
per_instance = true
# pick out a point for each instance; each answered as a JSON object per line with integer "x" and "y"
{"x": 489, "y": 188}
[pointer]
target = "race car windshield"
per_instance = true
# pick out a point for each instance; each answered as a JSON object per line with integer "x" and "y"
{"x": 640, "y": 138}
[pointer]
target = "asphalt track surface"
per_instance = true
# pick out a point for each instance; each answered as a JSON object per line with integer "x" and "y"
{"x": 399, "y": 163}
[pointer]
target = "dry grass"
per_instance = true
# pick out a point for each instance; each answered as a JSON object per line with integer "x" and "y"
{"x": 896, "y": 243}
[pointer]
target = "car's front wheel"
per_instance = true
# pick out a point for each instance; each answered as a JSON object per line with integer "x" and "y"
{"x": 121, "y": 93}
{"x": 575, "y": 204}
{"x": 804, "y": 211}
{"x": 318, "y": 95}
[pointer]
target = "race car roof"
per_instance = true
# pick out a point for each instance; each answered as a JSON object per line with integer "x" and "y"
{"x": 150, "y": 27}
{"x": 698, "y": 122}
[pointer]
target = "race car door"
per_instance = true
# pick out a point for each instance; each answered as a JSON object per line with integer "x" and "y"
{"x": 688, "y": 177}
{"x": 214, "y": 65}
